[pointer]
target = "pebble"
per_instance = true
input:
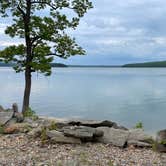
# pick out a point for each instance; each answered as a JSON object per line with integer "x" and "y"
{"x": 20, "y": 150}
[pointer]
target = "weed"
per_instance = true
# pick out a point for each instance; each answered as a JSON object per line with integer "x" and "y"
{"x": 139, "y": 125}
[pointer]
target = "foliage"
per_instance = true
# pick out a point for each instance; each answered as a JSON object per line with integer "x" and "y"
{"x": 163, "y": 142}
{"x": 1, "y": 129}
{"x": 139, "y": 125}
{"x": 147, "y": 64}
{"x": 52, "y": 126}
{"x": 44, "y": 135}
{"x": 31, "y": 114}
{"x": 44, "y": 26}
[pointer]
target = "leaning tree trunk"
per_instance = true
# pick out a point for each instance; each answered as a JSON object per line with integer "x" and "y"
{"x": 27, "y": 90}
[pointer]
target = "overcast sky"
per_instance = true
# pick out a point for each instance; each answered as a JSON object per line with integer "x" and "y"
{"x": 118, "y": 32}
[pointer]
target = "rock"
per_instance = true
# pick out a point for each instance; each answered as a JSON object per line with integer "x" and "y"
{"x": 19, "y": 116}
{"x": 58, "y": 137}
{"x": 116, "y": 137}
{"x": 161, "y": 136}
{"x": 139, "y": 144}
{"x": 36, "y": 132}
{"x": 161, "y": 141}
{"x": 15, "y": 107}
{"x": 161, "y": 147}
{"x": 17, "y": 128}
{"x": 138, "y": 138}
{"x": 139, "y": 135}
{"x": 5, "y": 116}
{"x": 92, "y": 123}
{"x": 11, "y": 122}
{"x": 1, "y": 109}
{"x": 82, "y": 132}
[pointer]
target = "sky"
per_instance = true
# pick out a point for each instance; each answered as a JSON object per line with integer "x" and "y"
{"x": 117, "y": 32}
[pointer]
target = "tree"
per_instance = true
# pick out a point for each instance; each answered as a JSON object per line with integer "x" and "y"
{"x": 45, "y": 35}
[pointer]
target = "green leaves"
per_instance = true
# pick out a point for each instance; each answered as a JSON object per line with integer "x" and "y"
{"x": 45, "y": 34}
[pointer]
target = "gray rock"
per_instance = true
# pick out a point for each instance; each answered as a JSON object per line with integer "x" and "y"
{"x": 161, "y": 141}
{"x": 19, "y": 116}
{"x": 139, "y": 135}
{"x": 36, "y": 132}
{"x": 161, "y": 136}
{"x": 139, "y": 144}
{"x": 1, "y": 109}
{"x": 92, "y": 123}
{"x": 82, "y": 132}
{"x": 58, "y": 137}
{"x": 117, "y": 137}
{"x": 5, "y": 116}
{"x": 11, "y": 122}
{"x": 15, "y": 107}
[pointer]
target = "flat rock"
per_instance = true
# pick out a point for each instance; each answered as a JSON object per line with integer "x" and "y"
{"x": 5, "y": 116}
{"x": 139, "y": 135}
{"x": 17, "y": 128}
{"x": 116, "y": 137}
{"x": 139, "y": 144}
{"x": 59, "y": 137}
{"x": 161, "y": 141}
{"x": 82, "y": 132}
{"x": 92, "y": 123}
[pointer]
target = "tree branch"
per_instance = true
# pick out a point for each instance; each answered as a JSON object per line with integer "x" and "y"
{"x": 22, "y": 12}
{"x": 45, "y": 3}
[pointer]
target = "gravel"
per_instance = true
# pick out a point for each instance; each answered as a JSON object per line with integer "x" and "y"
{"x": 18, "y": 150}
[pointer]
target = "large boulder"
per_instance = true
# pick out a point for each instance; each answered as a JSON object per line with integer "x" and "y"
{"x": 116, "y": 137}
{"x": 59, "y": 137}
{"x": 161, "y": 141}
{"x": 138, "y": 137}
{"x": 82, "y": 132}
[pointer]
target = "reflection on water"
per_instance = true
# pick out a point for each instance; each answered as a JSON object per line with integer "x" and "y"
{"x": 123, "y": 95}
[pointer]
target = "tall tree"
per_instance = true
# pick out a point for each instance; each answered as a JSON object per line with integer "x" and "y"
{"x": 43, "y": 24}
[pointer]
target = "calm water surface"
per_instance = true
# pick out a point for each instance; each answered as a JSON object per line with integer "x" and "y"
{"x": 124, "y": 95}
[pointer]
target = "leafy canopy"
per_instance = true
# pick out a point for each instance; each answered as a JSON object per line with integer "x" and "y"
{"x": 46, "y": 33}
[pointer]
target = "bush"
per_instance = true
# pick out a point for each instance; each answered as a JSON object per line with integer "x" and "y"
{"x": 139, "y": 125}
{"x": 31, "y": 114}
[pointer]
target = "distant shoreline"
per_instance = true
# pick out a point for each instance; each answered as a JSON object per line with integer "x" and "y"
{"x": 155, "y": 64}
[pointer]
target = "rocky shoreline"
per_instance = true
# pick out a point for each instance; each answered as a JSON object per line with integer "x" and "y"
{"x": 36, "y": 140}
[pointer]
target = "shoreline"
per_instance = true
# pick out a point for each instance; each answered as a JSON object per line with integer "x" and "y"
{"x": 52, "y": 141}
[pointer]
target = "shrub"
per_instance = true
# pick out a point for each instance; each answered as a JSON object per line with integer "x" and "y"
{"x": 139, "y": 125}
{"x": 31, "y": 114}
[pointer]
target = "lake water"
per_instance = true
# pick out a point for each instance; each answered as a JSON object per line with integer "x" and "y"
{"x": 124, "y": 95}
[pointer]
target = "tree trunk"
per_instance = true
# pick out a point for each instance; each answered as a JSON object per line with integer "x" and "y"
{"x": 27, "y": 90}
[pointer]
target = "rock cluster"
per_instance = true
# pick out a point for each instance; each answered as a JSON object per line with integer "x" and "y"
{"x": 78, "y": 131}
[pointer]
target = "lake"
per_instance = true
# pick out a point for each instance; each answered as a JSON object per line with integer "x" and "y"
{"x": 124, "y": 95}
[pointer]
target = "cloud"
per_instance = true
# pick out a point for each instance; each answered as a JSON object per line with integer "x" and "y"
{"x": 118, "y": 32}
